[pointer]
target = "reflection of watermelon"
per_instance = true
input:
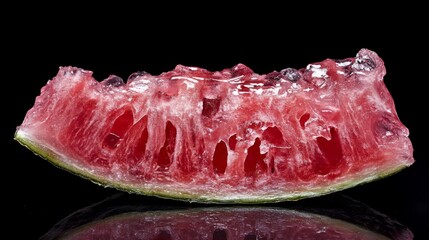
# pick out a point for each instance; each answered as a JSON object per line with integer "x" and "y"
{"x": 225, "y": 136}
{"x": 125, "y": 217}
{"x": 220, "y": 224}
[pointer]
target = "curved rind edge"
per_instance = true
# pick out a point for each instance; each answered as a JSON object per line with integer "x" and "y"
{"x": 54, "y": 158}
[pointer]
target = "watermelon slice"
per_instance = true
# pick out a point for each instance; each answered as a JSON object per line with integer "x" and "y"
{"x": 223, "y": 136}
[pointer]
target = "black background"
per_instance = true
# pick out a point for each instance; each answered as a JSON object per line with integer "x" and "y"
{"x": 154, "y": 40}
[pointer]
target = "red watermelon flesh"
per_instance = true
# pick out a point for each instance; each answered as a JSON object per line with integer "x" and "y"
{"x": 223, "y": 136}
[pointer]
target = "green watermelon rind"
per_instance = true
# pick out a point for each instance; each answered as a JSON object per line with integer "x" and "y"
{"x": 55, "y": 158}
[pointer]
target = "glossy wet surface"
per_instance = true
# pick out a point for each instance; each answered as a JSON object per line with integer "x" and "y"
{"x": 123, "y": 216}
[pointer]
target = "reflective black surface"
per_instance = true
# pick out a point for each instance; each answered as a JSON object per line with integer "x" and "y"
{"x": 125, "y": 216}
{"x": 39, "y": 195}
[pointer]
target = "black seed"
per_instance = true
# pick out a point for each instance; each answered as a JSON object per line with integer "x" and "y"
{"x": 291, "y": 74}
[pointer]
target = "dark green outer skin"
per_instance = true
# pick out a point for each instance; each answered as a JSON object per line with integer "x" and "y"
{"x": 55, "y": 159}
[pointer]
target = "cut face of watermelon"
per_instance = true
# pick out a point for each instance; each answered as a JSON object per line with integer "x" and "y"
{"x": 224, "y": 136}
